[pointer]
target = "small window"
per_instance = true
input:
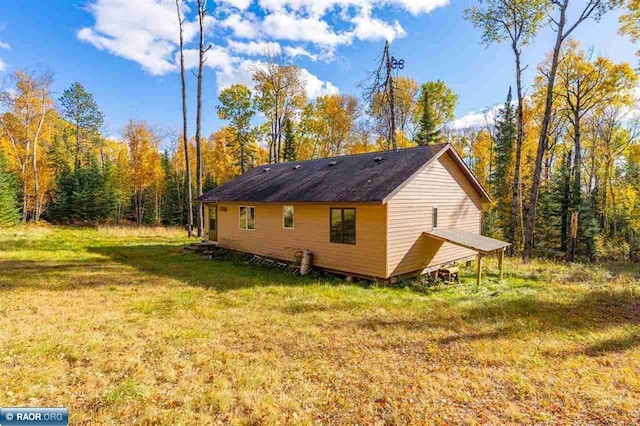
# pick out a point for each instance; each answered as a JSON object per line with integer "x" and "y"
{"x": 343, "y": 226}
{"x": 287, "y": 217}
{"x": 248, "y": 218}
{"x": 434, "y": 218}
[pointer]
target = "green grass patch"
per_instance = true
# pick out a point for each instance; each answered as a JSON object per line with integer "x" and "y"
{"x": 122, "y": 327}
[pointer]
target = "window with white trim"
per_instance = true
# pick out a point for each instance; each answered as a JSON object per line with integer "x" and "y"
{"x": 247, "y": 218}
{"x": 287, "y": 217}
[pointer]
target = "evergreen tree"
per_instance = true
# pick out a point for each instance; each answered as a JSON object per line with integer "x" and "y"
{"x": 81, "y": 110}
{"x": 289, "y": 153}
{"x": 82, "y": 195}
{"x": 438, "y": 103}
{"x": 174, "y": 206}
{"x": 8, "y": 197}
{"x": 503, "y": 150}
{"x": 428, "y": 133}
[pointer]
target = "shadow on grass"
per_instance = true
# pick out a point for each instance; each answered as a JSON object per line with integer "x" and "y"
{"x": 51, "y": 275}
{"x": 503, "y": 316}
{"x": 221, "y": 275}
{"x": 510, "y": 317}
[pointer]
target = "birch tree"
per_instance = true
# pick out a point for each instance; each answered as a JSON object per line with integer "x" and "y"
{"x": 515, "y": 22}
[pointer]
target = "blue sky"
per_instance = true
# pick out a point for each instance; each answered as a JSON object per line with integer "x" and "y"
{"x": 123, "y": 51}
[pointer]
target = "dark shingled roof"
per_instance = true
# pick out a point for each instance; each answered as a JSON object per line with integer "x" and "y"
{"x": 367, "y": 177}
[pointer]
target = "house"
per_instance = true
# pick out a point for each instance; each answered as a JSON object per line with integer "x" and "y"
{"x": 382, "y": 215}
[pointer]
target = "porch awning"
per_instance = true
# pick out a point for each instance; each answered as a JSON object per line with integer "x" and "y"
{"x": 475, "y": 242}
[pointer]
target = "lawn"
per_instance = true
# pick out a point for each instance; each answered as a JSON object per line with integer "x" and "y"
{"x": 122, "y": 327}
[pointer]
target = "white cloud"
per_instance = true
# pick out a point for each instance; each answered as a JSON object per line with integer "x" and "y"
{"x": 316, "y": 87}
{"x": 320, "y": 7}
{"x": 241, "y": 72}
{"x": 145, "y": 31}
{"x": 3, "y": 64}
{"x": 313, "y": 7}
{"x": 416, "y": 7}
{"x": 476, "y": 119}
{"x": 295, "y": 51}
{"x": 288, "y": 26}
{"x": 238, "y": 4}
{"x": 242, "y": 26}
{"x": 372, "y": 29}
{"x": 216, "y": 57}
{"x": 254, "y": 48}
{"x": 237, "y": 73}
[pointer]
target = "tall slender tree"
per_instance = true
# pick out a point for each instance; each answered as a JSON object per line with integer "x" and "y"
{"x": 515, "y": 22}
{"x": 437, "y": 106}
{"x": 505, "y": 136}
{"x": 563, "y": 29}
{"x": 280, "y": 94}
{"x": 379, "y": 90}
{"x": 185, "y": 134}
{"x": 237, "y": 107}
{"x": 81, "y": 110}
{"x": 202, "y": 51}
{"x": 289, "y": 153}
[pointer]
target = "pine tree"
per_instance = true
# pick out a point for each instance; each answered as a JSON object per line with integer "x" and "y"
{"x": 289, "y": 153}
{"x": 174, "y": 207}
{"x": 80, "y": 108}
{"x": 503, "y": 150}
{"x": 428, "y": 133}
{"x": 8, "y": 197}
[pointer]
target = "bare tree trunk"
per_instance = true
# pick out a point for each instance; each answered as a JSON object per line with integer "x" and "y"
{"x": 76, "y": 161}
{"x": 542, "y": 140}
{"x": 577, "y": 177}
{"x": 589, "y": 9}
{"x": 515, "y": 195}
{"x": 185, "y": 139}
{"x": 202, "y": 10}
{"x": 391, "y": 96}
{"x": 36, "y": 189}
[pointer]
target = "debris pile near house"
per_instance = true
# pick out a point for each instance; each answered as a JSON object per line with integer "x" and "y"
{"x": 213, "y": 251}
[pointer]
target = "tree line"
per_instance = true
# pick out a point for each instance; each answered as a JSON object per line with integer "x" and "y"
{"x": 560, "y": 158}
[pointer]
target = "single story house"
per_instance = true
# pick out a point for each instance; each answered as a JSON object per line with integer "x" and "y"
{"x": 382, "y": 215}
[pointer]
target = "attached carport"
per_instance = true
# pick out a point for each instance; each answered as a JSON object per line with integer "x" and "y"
{"x": 478, "y": 243}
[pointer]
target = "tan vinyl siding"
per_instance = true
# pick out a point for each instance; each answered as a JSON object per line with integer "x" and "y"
{"x": 310, "y": 232}
{"x": 442, "y": 185}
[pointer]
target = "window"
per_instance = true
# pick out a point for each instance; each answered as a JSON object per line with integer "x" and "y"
{"x": 287, "y": 217}
{"x": 434, "y": 218}
{"x": 343, "y": 226}
{"x": 248, "y": 218}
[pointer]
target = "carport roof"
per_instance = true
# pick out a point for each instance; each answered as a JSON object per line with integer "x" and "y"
{"x": 475, "y": 242}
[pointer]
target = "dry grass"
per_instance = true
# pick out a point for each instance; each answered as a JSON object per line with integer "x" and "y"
{"x": 139, "y": 231}
{"x": 125, "y": 328}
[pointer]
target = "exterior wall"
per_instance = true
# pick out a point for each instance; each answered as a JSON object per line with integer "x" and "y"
{"x": 311, "y": 232}
{"x": 442, "y": 184}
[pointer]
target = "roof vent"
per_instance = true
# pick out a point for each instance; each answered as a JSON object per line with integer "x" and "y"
{"x": 266, "y": 169}
{"x": 297, "y": 166}
{"x": 378, "y": 159}
{"x": 333, "y": 163}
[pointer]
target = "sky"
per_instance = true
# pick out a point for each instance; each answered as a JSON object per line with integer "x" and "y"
{"x": 125, "y": 51}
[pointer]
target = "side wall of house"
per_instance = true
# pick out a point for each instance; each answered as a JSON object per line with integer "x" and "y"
{"x": 311, "y": 232}
{"x": 443, "y": 185}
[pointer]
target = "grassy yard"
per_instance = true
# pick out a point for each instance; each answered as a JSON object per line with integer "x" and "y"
{"x": 122, "y": 327}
